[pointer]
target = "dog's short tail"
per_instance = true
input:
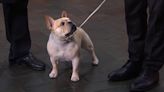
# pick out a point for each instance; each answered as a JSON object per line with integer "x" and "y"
{"x": 93, "y": 13}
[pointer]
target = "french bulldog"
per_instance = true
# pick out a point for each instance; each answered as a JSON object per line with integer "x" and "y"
{"x": 65, "y": 42}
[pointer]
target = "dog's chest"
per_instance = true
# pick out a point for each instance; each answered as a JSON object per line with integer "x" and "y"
{"x": 64, "y": 52}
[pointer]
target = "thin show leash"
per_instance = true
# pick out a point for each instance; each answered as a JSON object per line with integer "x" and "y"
{"x": 93, "y": 13}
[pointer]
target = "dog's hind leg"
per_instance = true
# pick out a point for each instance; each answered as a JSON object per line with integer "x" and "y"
{"x": 91, "y": 50}
{"x": 88, "y": 45}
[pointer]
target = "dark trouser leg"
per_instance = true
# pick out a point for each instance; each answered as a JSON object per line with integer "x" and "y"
{"x": 136, "y": 20}
{"x": 154, "y": 48}
{"x": 155, "y": 36}
{"x": 17, "y": 32}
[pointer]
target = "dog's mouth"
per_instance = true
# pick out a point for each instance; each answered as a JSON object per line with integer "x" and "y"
{"x": 69, "y": 34}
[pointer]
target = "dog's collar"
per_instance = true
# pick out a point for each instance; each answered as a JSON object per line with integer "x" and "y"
{"x": 69, "y": 39}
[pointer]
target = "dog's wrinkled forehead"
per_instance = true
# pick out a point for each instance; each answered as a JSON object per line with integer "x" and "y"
{"x": 59, "y": 22}
{"x": 64, "y": 19}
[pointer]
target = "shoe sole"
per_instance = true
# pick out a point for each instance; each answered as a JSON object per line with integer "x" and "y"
{"x": 34, "y": 68}
{"x": 146, "y": 88}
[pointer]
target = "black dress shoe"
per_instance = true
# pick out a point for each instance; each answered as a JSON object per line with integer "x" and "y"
{"x": 146, "y": 81}
{"x": 128, "y": 71}
{"x": 29, "y": 61}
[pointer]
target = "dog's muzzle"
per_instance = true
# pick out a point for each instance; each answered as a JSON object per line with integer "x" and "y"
{"x": 73, "y": 29}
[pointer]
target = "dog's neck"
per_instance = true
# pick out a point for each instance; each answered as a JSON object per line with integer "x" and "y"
{"x": 61, "y": 40}
{"x": 69, "y": 39}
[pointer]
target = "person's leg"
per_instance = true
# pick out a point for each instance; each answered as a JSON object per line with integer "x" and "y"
{"x": 17, "y": 32}
{"x": 154, "y": 48}
{"x": 136, "y": 19}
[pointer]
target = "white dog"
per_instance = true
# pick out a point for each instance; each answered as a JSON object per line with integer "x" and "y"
{"x": 65, "y": 42}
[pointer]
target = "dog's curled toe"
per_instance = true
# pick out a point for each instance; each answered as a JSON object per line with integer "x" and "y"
{"x": 95, "y": 62}
{"x": 53, "y": 75}
{"x": 75, "y": 78}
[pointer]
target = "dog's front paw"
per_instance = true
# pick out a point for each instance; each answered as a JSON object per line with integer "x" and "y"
{"x": 53, "y": 74}
{"x": 95, "y": 62}
{"x": 75, "y": 78}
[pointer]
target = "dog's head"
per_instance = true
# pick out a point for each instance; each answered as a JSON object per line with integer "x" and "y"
{"x": 62, "y": 27}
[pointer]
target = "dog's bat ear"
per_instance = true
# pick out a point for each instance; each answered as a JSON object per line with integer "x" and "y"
{"x": 64, "y": 14}
{"x": 49, "y": 22}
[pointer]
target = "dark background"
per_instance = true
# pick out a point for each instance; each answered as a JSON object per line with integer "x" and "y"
{"x": 106, "y": 28}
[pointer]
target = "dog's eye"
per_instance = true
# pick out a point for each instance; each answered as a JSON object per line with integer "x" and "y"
{"x": 62, "y": 23}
